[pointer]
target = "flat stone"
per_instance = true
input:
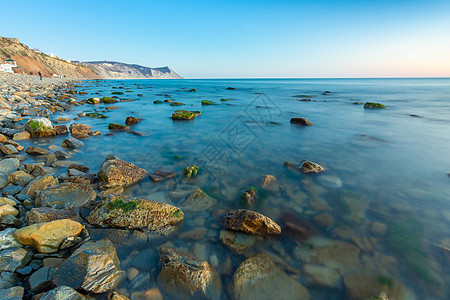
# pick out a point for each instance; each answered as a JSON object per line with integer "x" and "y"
{"x": 72, "y": 143}
{"x": 8, "y": 280}
{"x": 7, "y": 239}
{"x": 259, "y": 277}
{"x": 197, "y": 201}
{"x": 39, "y": 184}
{"x": 48, "y": 214}
{"x": 115, "y": 171}
{"x": 13, "y": 293}
{"x": 8, "y": 165}
{"x": 47, "y": 237}
{"x": 183, "y": 275}
{"x": 41, "y": 280}
{"x": 20, "y": 178}
{"x": 305, "y": 166}
{"x": 36, "y": 151}
{"x": 161, "y": 175}
{"x": 63, "y": 293}
{"x": 92, "y": 268}
{"x": 133, "y": 213}
{"x": 14, "y": 258}
{"x": 8, "y": 150}
{"x": 251, "y": 222}
{"x": 6, "y": 210}
{"x": 239, "y": 242}
{"x": 66, "y": 195}
{"x": 322, "y": 276}
{"x": 62, "y": 155}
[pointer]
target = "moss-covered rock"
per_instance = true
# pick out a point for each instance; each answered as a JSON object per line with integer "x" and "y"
{"x": 40, "y": 127}
{"x": 158, "y": 101}
{"x": 117, "y": 93}
{"x": 374, "y": 105}
{"x": 96, "y": 115}
{"x": 109, "y": 100}
{"x": 185, "y": 115}
{"x": 176, "y": 104}
{"x": 208, "y": 102}
{"x": 192, "y": 90}
{"x": 117, "y": 127}
{"x": 134, "y": 213}
{"x": 190, "y": 171}
{"x": 224, "y": 100}
{"x": 95, "y": 100}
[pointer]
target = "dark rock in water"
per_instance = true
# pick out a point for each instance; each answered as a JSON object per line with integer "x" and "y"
{"x": 48, "y": 214}
{"x": 185, "y": 276}
{"x": 62, "y": 155}
{"x": 251, "y": 222}
{"x": 66, "y": 195}
{"x": 12, "y": 293}
{"x": 134, "y": 213}
{"x": 231, "y": 88}
{"x": 374, "y": 105}
{"x": 259, "y": 277}
{"x": 305, "y": 166}
{"x": 197, "y": 200}
{"x": 92, "y": 268}
{"x": 185, "y": 115}
{"x": 416, "y": 116}
{"x": 326, "y": 93}
{"x": 62, "y": 293}
{"x": 117, "y": 127}
{"x": 208, "y": 102}
{"x": 176, "y": 104}
{"x": 72, "y": 143}
{"x": 80, "y": 168}
{"x": 300, "y": 121}
{"x": 36, "y": 151}
{"x": 160, "y": 175}
{"x": 60, "y": 129}
{"x": 115, "y": 171}
{"x": 294, "y": 226}
{"x": 8, "y": 150}
{"x": 41, "y": 280}
{"x": 132, "y": 120}
{"x": 249, "y": 197}
{"x": 158, "y": 101}
{"x": 239, "y": 242}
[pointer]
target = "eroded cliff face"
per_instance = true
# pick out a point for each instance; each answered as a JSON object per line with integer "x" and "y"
{"x": 117, "y": 70}
{"x": 32, "y": 62}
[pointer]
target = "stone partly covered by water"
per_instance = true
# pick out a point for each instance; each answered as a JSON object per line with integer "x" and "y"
{"x": 185, "y": 115}
{"x": 251, "y": 222}
{"x": 115, "y": 171}
{"x": 92, "y": 268}
{"x": 260, "y": 278}
{"x": 134, "y": 213}
{"x": 305, "y": 166}
{"x": 40, "y": 127}
{"x": 197, "y": 200}
{"x": 66, "y": 195}
{"x": 47, "y": 214}
{"x": 185, "y": 276}
{"x": 47, "y": 237}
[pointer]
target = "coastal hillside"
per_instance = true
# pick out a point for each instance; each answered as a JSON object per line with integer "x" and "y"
{"x": 117, "y": 70}
{"x": 32, "y": 61}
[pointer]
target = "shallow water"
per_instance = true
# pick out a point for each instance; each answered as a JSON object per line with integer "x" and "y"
{"x": 395, "y": 165}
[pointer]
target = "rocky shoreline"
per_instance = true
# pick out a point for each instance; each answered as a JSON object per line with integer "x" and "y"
{"x": 58, "y": 232}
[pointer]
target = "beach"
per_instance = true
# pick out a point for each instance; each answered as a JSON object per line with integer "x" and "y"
{"x": 224, "y": 189}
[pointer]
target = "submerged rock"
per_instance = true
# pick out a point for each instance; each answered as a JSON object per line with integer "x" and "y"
{"x": 190, "y": 171}
{"x": 270, "y": 183}
{"x": 72, "y": 143}
{"x": 305, "y": 166}
{"x": 92, "y": 268}
{"x": 251, "y": 222}
{"x": 132, "y": 120}
{"x": 374, "y": 105}
{"x": 160, "y": 175}
{"x": 197, "y": 200}
{"x": 239, "y": 242}
{"x": 115, "y": 171}
{"x": 295, "y": 227}
{"x": 185, "y": 276}
{"x": 260, "y": 278}
{"x": 66, "y": 195}
{"x": 47, "y": 237}
{"x": 133, "y": 213}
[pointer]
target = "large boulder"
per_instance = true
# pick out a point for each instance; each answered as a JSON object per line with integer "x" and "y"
{"x": 92, "y": 268}
{"x": 39, "y": 184}
{"x": 39, "y": 127}
{"x": 260, "y": 278}
{"x": 185, "y": 276}
{"x": 251, "y": 222}
{"x": 47, "y": 237}
{"x": 133, "y": 213}
{"x": 115, "y": 171}
{"x": 66, "y": 195}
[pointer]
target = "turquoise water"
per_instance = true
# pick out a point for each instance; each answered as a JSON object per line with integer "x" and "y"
{"x": 393, "y": 164}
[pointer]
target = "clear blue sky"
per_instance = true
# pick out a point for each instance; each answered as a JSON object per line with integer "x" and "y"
{"x": 198, "y": 39}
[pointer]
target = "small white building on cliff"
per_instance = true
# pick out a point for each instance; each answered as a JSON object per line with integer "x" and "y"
{"x": 8, "y": 66}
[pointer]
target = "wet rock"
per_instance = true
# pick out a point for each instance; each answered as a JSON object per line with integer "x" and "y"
{"x": 20, "y": 178}
{"x": 79, "y": 130}
{"x": 116, "y": 296}
{"x": 39, "y": 184}
{"x": 190, "y": 171}
{"x": 48, "y": 214}
{"x": 300, "y": 121}
{"x": 92, "y": 268}
{"x": 373, "y": 105}
{"x": 115, "y": 171}
{"x": 305, "y": 166}
{"x": 47, "y": 237}
{"x": 8, "y": 150}
{"x": 40, "y": 127}
{"x": 259, "y": 277}
{"x": 6, "y": 210}
{"x": 194, "y": 234}
{"x": 249, "y": 198}
{"x": 25, "y": 271}
{"x": 160, "y": 175}
{"x": 185, "y": 115}
{"x": 117, "y": 127}
{"x": 72, "y": 143}
{"x": 132, "y": 120}
{"x": 7, "y": 239}
{"x": 152, "y": 294}
{"x": 36, "y": 151}
{"x": 66, "y": 195}
{"x": 61, "y": 120}
{"x": 12, "y": 190}
{"x": 353, "y": 207}
{"x": 297, "y": 228}
{"x": 62, "y": 293}
{"x": 378, "y": 229}
{"x": 197, "y": 200}
{"x": 185, "y": 276}
{"x": 95, "y": 100}
{"x": 14, "y": 258}
{"x": 60, "y": 129}
{"x": 12, "y": 293}
{"x": 319, "y": 204}
{"x": 62, "y": 155}
{"x": 78, "y": 167}
{"x": 239, "y": 242}
{"x": 41, "y": 280}
{"x": 368, "y": 286}
{"x": 251, "y": 222}
{"x": 324, "y": 220}
{"x": 8, "y": 165}
{"x": 270, "y": 183}
{"x": 321, "y": 276}
{"x": 132, "y": 273}
{"x": 133, "y": 213}
{"x": 8, "y": 280}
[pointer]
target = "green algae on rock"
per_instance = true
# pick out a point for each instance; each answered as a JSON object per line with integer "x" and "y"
{"x": 134, "y": 213}
{"x": 185, "y": 115}
{"x": 108, "y": 100}
{"x": 190, "y": 171}
{"x": 208, "y": 102}
{"x": 374, "y": 105}
{"x": 117, "y": 127}
{"x": 40, "y": 127}
{"x": 176, "y": 104}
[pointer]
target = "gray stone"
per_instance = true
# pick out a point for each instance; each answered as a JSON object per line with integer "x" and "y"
{"x": 40, "y": 184}
{"x": 36, "y": 151}
{"x": 7, "y": 239}
{"x": 12, "y": 190}
{"x": 66, "y": 195}
{"x": 41, "y": 280}
{"x": 62, "y": 155}
{"x": 8, "y": 165}
{"x": 13, "y": 293}
{"x": 72, "y": 143}
{"x": 63, "y": 293}
{"x": 8, "y": 279}
{"x": 47, "y": 214}
{"x": 198, "y": 200}
{"x": 13, "y": 259}
{"x": 25, "y": 270}
{"x": 8, "y": 150}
